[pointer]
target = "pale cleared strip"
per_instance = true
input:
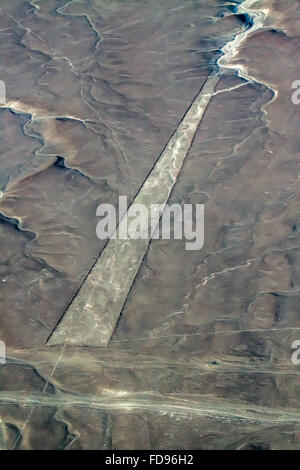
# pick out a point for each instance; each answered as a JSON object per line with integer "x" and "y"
{"x": 92, "y": 316}
{"x": 94, "y": 312}
{"x": 180, "y": 405}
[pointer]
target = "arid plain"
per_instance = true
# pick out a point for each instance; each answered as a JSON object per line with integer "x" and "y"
{"x": 199, "y": 355}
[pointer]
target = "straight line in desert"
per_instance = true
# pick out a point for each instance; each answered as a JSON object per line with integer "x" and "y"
{"x": 91, "y": 317}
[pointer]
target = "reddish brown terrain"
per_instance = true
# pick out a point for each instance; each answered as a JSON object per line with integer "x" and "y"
{"x": 199, "y": 355}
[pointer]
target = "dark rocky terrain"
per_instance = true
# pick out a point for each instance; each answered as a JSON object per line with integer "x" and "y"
{"x": 200, "y": 354}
